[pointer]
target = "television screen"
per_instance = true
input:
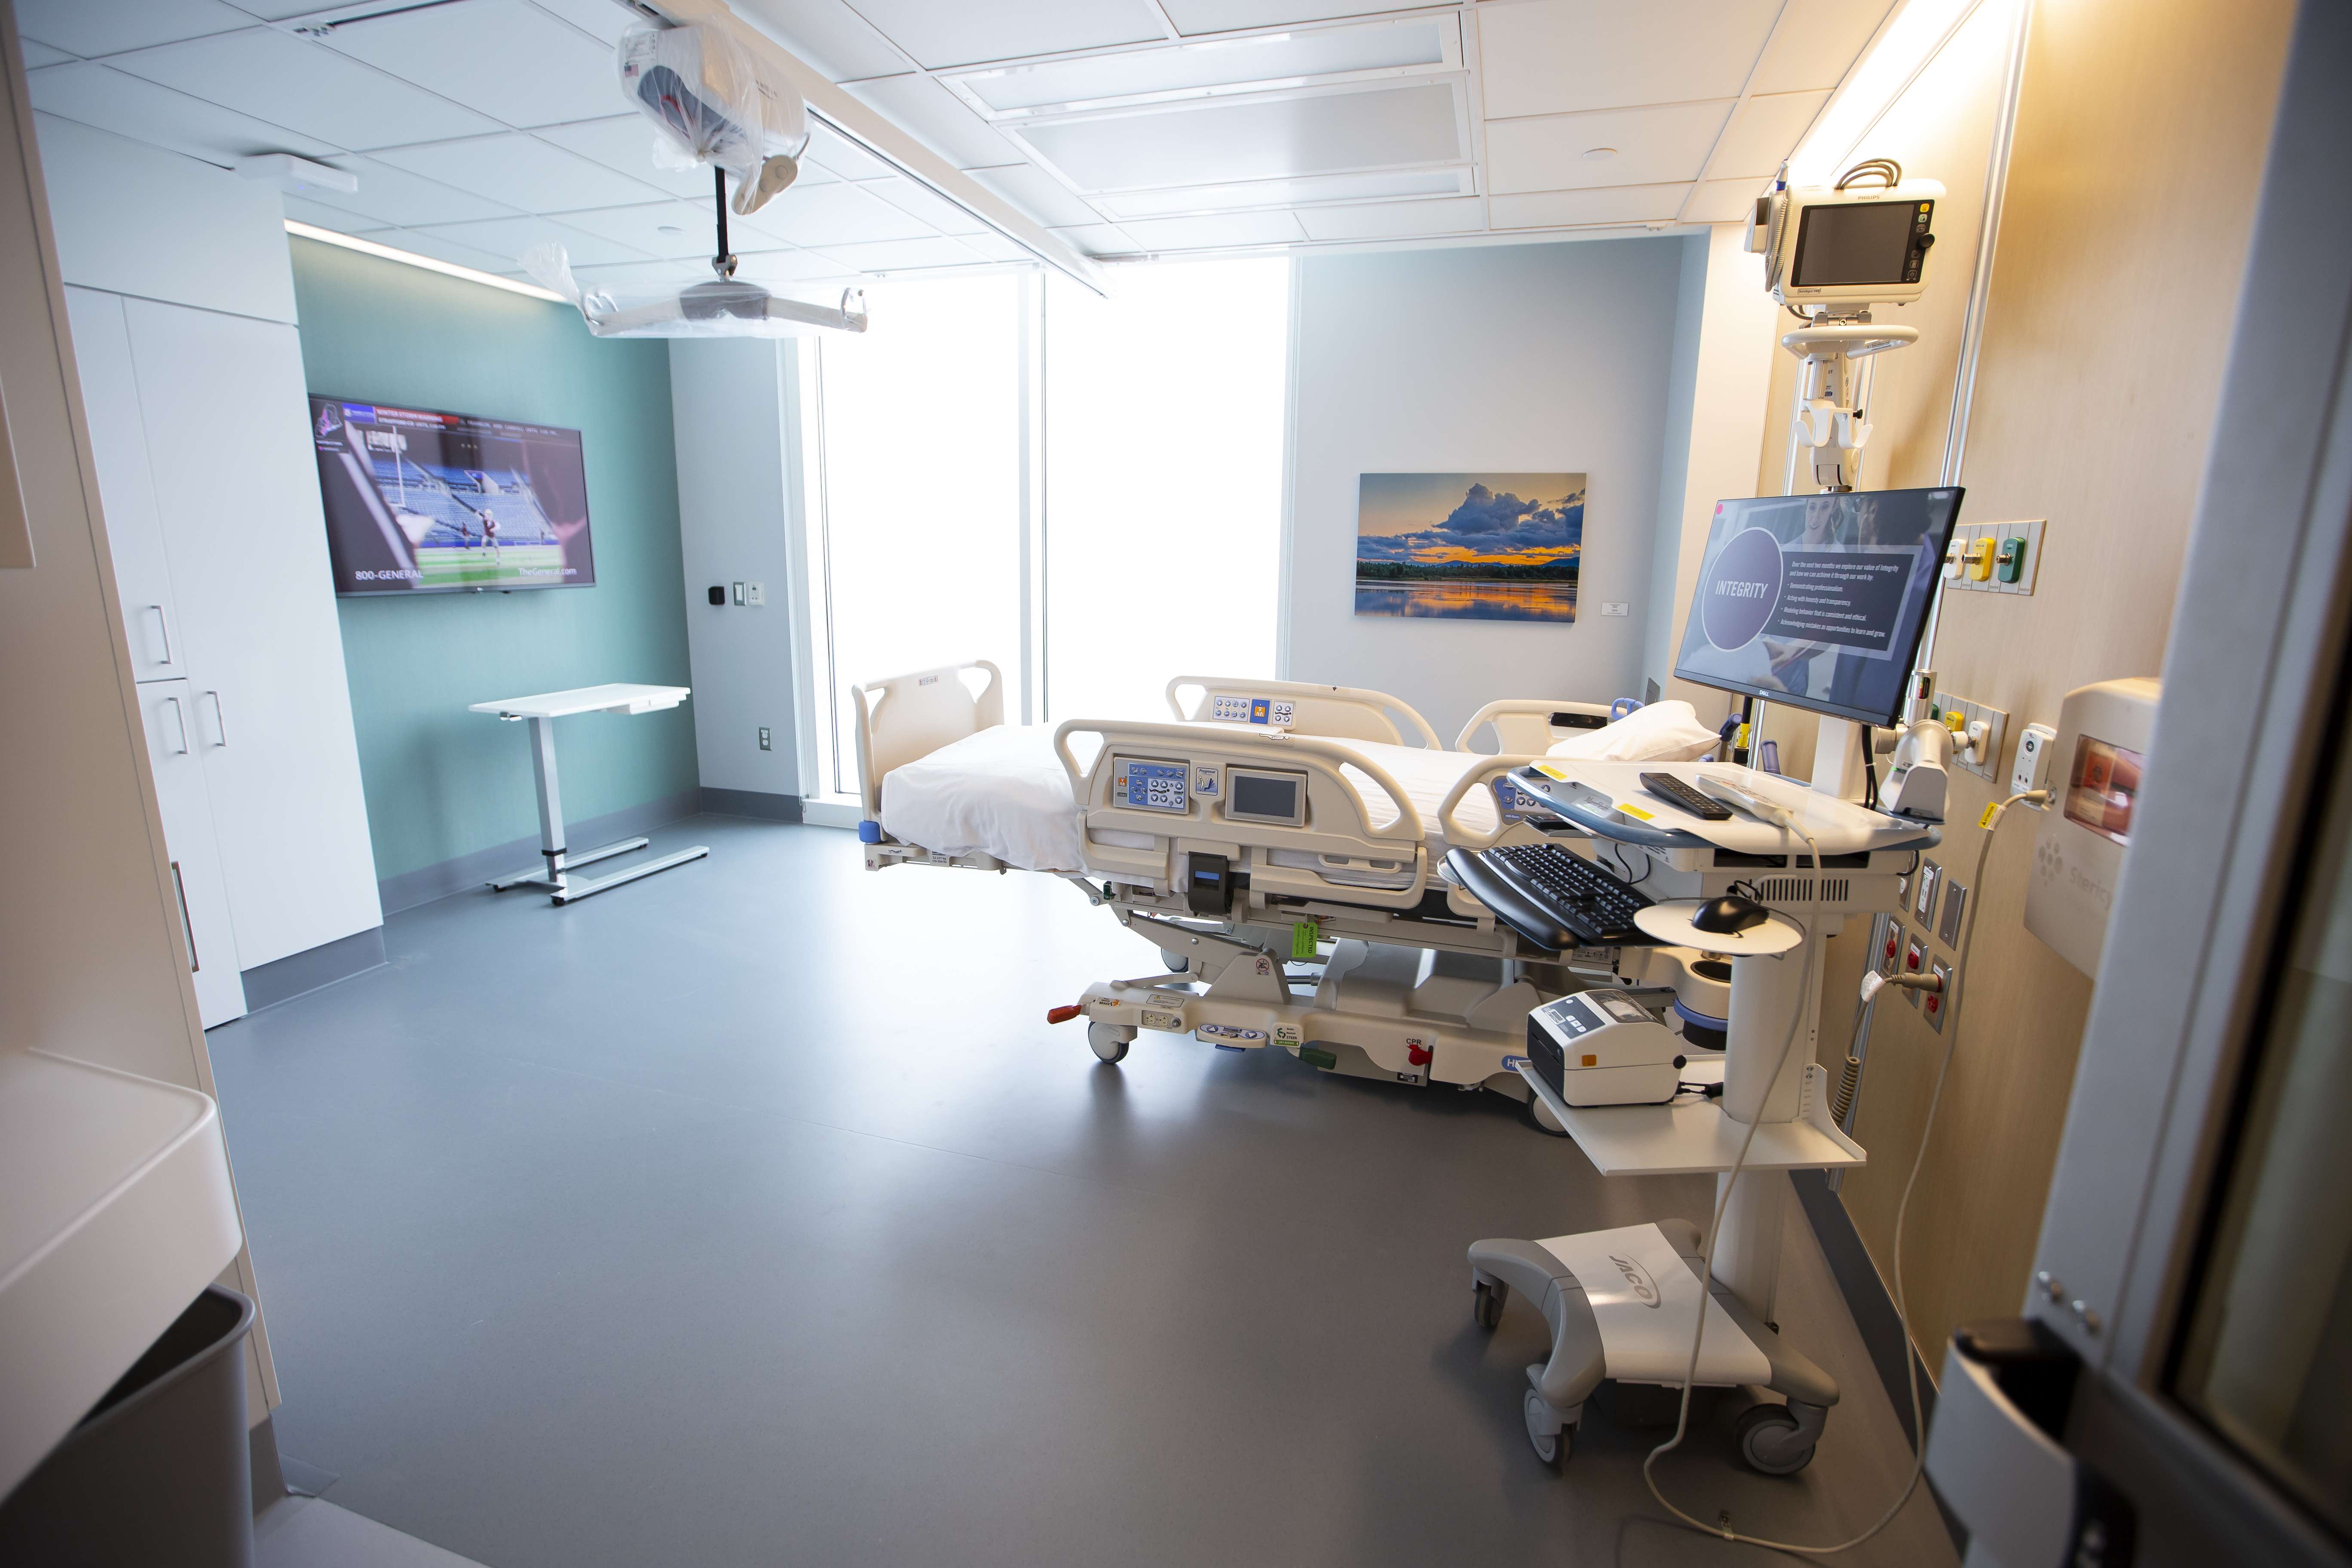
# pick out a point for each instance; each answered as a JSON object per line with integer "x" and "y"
{"x": 421, "y": 503}
{"x": 1818, "y": 601}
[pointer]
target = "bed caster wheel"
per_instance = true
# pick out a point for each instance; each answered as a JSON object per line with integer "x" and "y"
{"x": 1548, "y": 1437}
{"x": 1109, "y": 1040}
{"x": 1176, "y": 966}
{"x": 1539, "y": 1117}
{"x": 1767, "y": 1436}
{"x": 1486, "y": 1302}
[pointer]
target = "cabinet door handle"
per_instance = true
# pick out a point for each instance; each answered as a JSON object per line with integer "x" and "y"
{"x": 162, "y": 633}
{"x": 220, "y": 723}
{"x": 179, "y": 726}
{"x": 187, "y": 926}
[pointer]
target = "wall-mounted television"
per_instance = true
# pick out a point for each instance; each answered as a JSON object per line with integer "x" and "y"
{"x": 420, "y": 502}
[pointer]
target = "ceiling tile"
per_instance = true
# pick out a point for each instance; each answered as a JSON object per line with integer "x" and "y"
{"x": 624, "y": 143}
{"x": 906, "y": 255}
{"x": 691, "y": 230}
{"x": 273, "y": 76}
{"x": 941, "y": 33}
{"x": 642, "y": 275}
{"x": 441, "y": 249}
{"x": 1325, "y": 52}
{"x": 1221, "y": 228}
{"x": 1818, "y": 41}
{"x": 1608, "y": 203}
{"x": 843, "y": 157}
{"x": 1196, "y": 16}
{"x": 1036, "y": 192}
{"x": 1653, "y": 146}
{"x": 995, "y": 247}
{"x": 93, "y": 94}
{"x": 1392, "y": 220}
{"x": 1724, "y": 201}
{"x": 321, "y": 217}
{"x": 1218, "y": 142}
{"x": 1557, "y": 57}
{"x": 938, "y": 118}
{"x": 1099, "y": 239}
{"x": 1377, "y": 184}
{"x": 397, "y": 196}
{"x": 84, "y": 27}
{"x": 788, "y": 265}
{"x": 522, "y": 172}
{"x": 600, "y": 19}
{"x": 39, "y": 55}
{"x": 944, "y": 217}
{"x": 833, "y": 39}
{"x": 835, "y": 214}
{"x": 510, "y": 236}
{"x": 500, "y": 58}
{"x": 1764, "y": 132}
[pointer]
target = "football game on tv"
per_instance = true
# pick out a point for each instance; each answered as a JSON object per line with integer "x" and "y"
{"x": 423, "y": 502}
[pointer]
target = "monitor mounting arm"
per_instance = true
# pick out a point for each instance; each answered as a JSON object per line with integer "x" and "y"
{"x": 1831, "y": 422}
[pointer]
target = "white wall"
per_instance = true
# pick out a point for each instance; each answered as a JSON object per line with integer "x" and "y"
{"x": 730, "y": 403}
{"x": 1540, "y": 358}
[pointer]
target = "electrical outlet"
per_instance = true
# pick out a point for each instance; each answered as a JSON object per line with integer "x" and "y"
{"x": 1985, "y": 756}
{"x": 764, "y": 739}
{"x": 1994, "y": 557}
{"x": 756, "y": 594}
{"x": 1888, "y": 960}
{"x": 1915, "y": 962}
{"x": 1934, "y": 1004}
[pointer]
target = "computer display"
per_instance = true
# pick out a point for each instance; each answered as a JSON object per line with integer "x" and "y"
{"x": 421, "y": 501}
{"x": 1818, "y": 601}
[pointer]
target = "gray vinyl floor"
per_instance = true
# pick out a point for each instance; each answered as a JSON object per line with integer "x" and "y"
{"x": 753, "y": 1215}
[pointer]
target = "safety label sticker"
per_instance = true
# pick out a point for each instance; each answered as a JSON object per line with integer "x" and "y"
{"x": 1204, "y": 781}
{"x": 1286, "y": 1034}
{"x": 1162, "y": 999}
{"x": 1171, "y": 1022}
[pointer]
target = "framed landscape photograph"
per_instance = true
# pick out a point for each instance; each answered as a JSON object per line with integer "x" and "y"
{"x": 1477, "y": 547}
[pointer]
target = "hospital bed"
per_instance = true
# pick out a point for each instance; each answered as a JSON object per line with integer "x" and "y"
{"x": 1282, "y": 844}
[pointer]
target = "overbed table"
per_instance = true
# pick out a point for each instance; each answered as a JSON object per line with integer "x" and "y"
{"x": 542, "y": 710}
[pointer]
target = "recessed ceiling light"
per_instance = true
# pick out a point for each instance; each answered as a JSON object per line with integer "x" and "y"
{"x": 1597, "y": 153}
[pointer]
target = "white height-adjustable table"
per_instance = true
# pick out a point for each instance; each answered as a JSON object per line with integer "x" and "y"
{"x": 542, "y": 710}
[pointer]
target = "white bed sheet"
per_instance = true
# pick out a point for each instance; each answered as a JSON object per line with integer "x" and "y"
{"x": 1003, "y": 792}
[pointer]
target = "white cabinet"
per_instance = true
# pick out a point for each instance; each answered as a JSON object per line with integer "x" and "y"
{"x": 168, "y": 709}
{"x": 200, "y": 423}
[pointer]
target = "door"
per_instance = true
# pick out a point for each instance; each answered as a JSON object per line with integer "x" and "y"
{"x": 170, "y": 715}
{"x": 118, "y": 440}
{"x": 227, "y": 422}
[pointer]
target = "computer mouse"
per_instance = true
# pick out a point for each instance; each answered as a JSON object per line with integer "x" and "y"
{"x": 1729, "y": 915}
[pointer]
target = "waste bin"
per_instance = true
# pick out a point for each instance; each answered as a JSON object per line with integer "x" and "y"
{"x": 159, "y": 1472}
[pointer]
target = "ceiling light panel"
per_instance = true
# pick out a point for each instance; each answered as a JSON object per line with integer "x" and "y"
{"x": 80, "y": 27}
{"x": 1818, "y": 42}
{"x": 521, "y": 171}
{"x": 95, "y": 94}
{"x": 1193, "y": 18}
{"x": 942, "y": 33}
{"x": 287, "y": 81}
{"x": 1394, "y": 220}
{"x": 500, "y": 58}
{"x": 1555, "y": 56}
{"x": 1290, "y": 193}
{"x": 1307, "y": 133}
{"x": 1608, "y": 205}
{"x": 1280, "y": 59}
{"x": 1654, "y": 146}
{"x": 1764, "y": 132}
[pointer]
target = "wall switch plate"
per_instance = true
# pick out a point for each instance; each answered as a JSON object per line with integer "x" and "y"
{"x": 1617, "y": 607}
{"x": 1923, "y": 904}
{"x": 1956, "y": 903}
{"x": 1994, "y": 557}
{"x": 1996, "y": 720}
{"x": 1934, "y": 1004}
{"x": 756, "y": 594}
{"x": 739, "y": 593}
{"x": 763, "y": 739}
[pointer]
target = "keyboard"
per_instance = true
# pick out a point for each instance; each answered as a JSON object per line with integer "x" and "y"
{"x": 1552, "y": 896}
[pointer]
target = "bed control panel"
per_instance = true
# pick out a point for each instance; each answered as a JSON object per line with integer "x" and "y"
{"x": 1232, "y": 708}
{"x": 1143, "y": 785}
{"x": 1260, "y": 794}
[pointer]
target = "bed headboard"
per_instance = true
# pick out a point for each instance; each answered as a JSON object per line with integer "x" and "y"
{"x": 1340, "y": 712}
{"x": 905, "y": 717}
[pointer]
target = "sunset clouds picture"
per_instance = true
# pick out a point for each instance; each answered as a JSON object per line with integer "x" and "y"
{"x": 1498, "y": 547}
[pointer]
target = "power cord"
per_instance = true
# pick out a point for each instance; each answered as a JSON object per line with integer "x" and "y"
{"x": 1989, "y": 824}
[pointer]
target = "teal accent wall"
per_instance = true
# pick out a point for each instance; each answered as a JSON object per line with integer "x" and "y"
{"x": 442, "y": 781}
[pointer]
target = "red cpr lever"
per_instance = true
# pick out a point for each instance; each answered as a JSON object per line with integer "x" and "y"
{"x": 1062, "y": 1015}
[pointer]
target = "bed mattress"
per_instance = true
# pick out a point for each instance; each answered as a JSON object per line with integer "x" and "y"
{"x": 1003, "y": 792}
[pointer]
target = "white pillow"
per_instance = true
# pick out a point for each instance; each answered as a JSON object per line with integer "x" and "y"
{"x": 1665, "y": 732}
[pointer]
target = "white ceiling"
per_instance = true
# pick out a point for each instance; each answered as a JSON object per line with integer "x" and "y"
{"x": 478, "y": 127}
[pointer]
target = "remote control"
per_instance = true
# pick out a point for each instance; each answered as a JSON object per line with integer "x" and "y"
{"x": 1674, "y": 791}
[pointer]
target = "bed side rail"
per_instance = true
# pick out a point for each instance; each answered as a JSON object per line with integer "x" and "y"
{"x": 1338, "y": 712}
{"x": 903, "y": 717}
{"x": 1462, "y": 836}
{"x": 1531, "y": 724}
{"x": 1339, "y": 832}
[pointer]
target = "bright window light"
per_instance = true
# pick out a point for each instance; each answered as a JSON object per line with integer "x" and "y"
{"x": 1164, "y": 408}
{"x": 1903, "y": 50}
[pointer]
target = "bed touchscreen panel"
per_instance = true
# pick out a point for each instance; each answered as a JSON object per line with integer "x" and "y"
{"x": 1148, "y": 786}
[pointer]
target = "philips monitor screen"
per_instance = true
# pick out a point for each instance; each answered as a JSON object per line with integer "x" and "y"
{"x": 421, "y": 503}
{"x": 1856, "y": 244}
{"x": 1818, "y": 602}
